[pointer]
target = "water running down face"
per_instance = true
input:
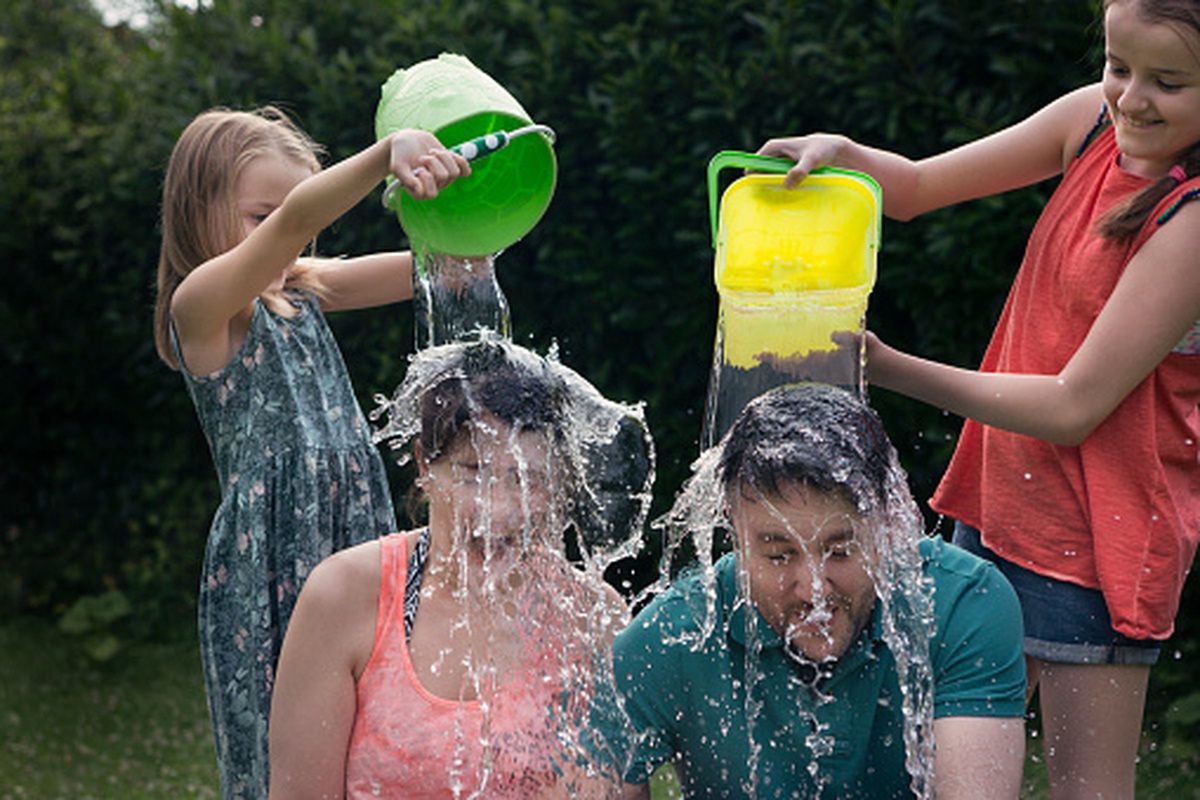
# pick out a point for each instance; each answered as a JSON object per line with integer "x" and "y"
{"x": 806, "y": 570}
{"x": 803, "y": 471}
{"x": 494, "y": 483}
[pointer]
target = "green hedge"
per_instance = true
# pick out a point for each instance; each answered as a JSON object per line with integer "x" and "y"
{"x": 106, "y": 478}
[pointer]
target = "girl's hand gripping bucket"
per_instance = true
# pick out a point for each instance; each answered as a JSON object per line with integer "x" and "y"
{"x": 794, "y": 269}
{"x": 506, "y": 193}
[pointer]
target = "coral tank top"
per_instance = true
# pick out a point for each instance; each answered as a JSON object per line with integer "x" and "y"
{"x": 1121, "y": 511}
{"x": 410, "y": 743}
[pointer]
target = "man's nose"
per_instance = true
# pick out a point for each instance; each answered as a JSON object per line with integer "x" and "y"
{"x": 807, "y": 578}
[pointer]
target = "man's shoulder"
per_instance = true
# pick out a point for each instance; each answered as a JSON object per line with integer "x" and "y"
{"x": 693, "y": 608}
{"x": 955, "y": 571}
{"x": 969, "y": 592}
{"x": 976, "y": 648}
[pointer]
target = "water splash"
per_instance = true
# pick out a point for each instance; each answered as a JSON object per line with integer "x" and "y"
{"x": 841, "y": 361}
{"x": 454, "y": 297}
{"x": 697, "y": 529}
{"x": 553, "y": 486}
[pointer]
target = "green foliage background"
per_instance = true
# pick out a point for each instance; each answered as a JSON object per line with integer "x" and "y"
{"x": 105, "y": 481}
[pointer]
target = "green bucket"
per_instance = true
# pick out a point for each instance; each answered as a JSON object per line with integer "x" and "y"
{"x": 506, "y": 193}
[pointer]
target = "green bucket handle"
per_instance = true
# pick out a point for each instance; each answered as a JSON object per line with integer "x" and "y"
{"x": 727, "y": 159}
{"x": 477, "y": 148}
{"x": 773, "y": 164}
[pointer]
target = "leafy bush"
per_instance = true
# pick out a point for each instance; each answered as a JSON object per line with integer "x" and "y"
{"x": 107, "y": 484}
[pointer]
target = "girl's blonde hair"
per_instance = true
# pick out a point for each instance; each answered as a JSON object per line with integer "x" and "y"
{"x": 1123, "y": 222}
{"x": 199, "y": 212}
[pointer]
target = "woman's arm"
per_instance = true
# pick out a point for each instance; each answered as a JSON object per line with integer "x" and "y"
{"x": 1155, "y": 302}
{"x": 328, "y": 642}
{"x": 1030, "y": 151}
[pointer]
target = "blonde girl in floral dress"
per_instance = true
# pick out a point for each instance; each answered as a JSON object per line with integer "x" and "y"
{"x": 240, "y": 315}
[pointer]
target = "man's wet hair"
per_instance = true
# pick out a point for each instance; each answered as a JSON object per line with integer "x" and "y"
{"x": 810, "y": 434}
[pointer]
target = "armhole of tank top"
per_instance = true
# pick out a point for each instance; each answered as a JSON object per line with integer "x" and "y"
{"x": 389, "y": 558}
{"x": 1173, "y": 209}
{"x": 216, "y": 374}
{"x": 1102, "y": 122}
{"x": 1189, "y": 345}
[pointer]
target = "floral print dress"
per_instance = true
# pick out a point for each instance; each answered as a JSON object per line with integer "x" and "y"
{"x": 300, "y": 478}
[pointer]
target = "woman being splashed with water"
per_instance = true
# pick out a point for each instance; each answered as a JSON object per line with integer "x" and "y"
{"x": 1077, "y": 471}
{"x": 469, "y": 658}
{"x": 240, "y": 314}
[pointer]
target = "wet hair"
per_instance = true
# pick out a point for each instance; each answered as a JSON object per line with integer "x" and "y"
{"x": 491, "y": 379}
{"x": 812, "y": 435}
{"x": 199, "y": 214}
{"x": 487, "y": 377}
{"x": 1122, "y": 223}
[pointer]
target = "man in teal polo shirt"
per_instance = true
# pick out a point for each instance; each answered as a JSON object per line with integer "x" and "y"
{"x": 796, "y": 693}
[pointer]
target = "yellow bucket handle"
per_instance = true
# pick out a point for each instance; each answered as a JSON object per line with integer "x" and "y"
{"x": 736, "y": 158}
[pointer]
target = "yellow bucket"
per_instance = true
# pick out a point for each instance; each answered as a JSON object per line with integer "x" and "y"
{"x": 794, "y": 269}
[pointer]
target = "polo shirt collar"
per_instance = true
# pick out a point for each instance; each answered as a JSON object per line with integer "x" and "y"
{"x": 734, "y": 609}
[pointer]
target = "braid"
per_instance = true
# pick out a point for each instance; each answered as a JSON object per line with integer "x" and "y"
{"x": 1123, "y": 222}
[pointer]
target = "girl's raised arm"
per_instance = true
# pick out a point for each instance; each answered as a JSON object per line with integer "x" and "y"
{"x": 364, "y": 281}
{"x": 284, "y": 213}
{"x": 1032, "y": 150}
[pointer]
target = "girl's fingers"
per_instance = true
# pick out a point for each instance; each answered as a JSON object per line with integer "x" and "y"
{"x": 423, "y": 166}
{"x": 436, "y": 168}
{"x": 407, "y": 177}
{"x": 428, "y": 184}
{"x": 449, "y": 165}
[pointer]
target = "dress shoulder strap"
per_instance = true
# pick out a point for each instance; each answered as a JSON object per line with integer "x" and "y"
{"x": 1171, "y": 210}
{"x": 1102, "y": 122}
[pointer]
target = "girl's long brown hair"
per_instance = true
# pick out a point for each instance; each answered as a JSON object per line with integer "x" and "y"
{"x": 199, "y": 214}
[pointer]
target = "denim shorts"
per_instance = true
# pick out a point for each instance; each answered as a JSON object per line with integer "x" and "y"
{"x": 1064, "y": 622}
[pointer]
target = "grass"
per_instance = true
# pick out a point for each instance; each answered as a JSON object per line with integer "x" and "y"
{"x": 137, "y": 727}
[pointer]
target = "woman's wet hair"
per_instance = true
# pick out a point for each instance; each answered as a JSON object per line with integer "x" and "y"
{"x": 599, "y": 451}
{"x": 493, "y": 379}
{"x": 812, "y": 435}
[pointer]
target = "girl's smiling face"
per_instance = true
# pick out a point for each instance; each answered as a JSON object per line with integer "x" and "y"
{"x": 1152, "y": 88}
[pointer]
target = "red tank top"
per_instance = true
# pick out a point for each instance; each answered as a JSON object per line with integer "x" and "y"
{"x": 1121, "y": 511}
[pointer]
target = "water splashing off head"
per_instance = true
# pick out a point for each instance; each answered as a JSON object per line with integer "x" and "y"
{"x": 825, "y": 528}
{"x": 801, "y": 664}
{"x": 516, "y": 457}
{"x": 471, "y": 658}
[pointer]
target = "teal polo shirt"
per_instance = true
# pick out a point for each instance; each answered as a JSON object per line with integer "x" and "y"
{"x": 690, "y": 704}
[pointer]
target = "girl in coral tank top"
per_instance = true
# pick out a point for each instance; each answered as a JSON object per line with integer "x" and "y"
{"x": 469, "y": 658}
{"x": 1077, "y": 469}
